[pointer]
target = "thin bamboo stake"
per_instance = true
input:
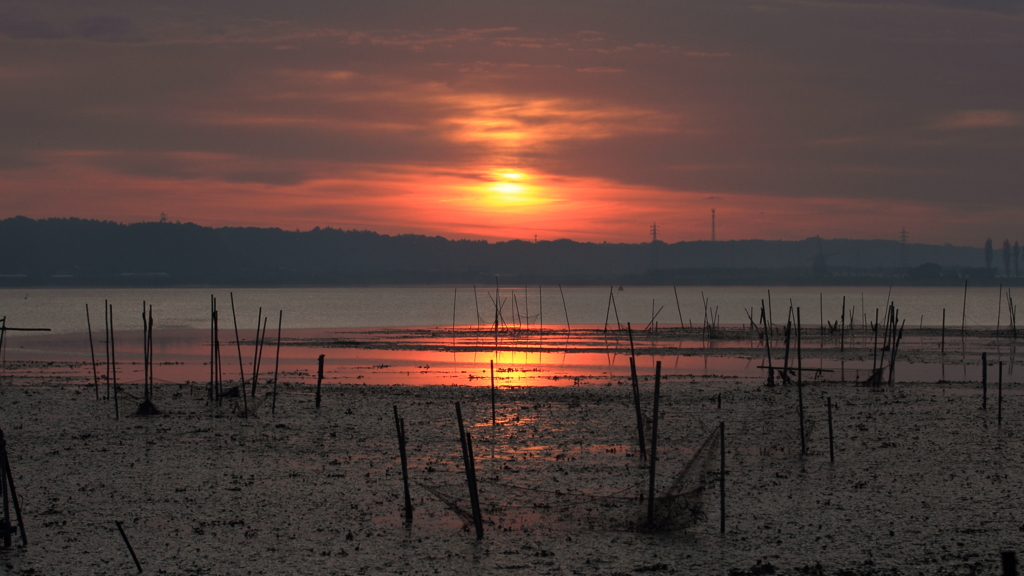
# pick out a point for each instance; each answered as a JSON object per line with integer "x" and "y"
{"x": 678, "y": 308}
{"x": 129, "y": 545}
{"x": 319, "y": 378}
{"x": 400, "y": 428}
{"x": 831, "y": 448}
{"x": 721, "y": 477}
{"x": 566, "y": 309}
{"x": 241, "y": 370}
{"x": 113, "y": 362}
{"x": 654, "y": 445}
{"x": 277, "y": 360}
{"x": 800, "y": 384}
{"x": 106, "y": 337}
{"x": 259, "y": 355}
{"x": 92, "y": 353}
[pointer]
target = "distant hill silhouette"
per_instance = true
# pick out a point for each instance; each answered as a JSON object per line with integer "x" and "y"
{"x": 74, "y": 252}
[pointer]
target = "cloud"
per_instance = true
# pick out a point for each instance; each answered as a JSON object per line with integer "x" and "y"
{"x": 967, "y": 119}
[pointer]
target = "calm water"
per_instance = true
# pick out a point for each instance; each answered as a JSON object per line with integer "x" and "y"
{"x": 182, "y": 329}
{"x": 63, "y": 310}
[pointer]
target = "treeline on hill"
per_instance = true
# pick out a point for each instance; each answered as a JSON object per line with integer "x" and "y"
{"x": 88, "y": 252}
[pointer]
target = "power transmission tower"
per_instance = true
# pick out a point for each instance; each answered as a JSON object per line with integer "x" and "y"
{"x": 712, "y": 224}
{"x": 654, "y": 232}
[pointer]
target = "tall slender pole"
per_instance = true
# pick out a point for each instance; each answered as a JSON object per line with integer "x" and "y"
{"x": 721, "y": 477}
{"x": 800, "y": 384}
{"x": 679, "y": 309}
{"x": 259, "y": 356}
{"x": 477, "y": 303}
{"x": 92, "y": 353}
{"x": 494, "y": 412}
{"x": 319, "y": 378}
{"x": 942, "y": 346}
{"x": 1000, "y": 410}
{"x": 106, "y": 337}
{"x": 566, "y": 309}
{"x": 150, "y": 354}
{"x": 654, "y": 445}
{"x": 400, "y": 428}
{"x": 831, "y": 449}
{"x": 963, "y": 320}
{"x": 241, "y": 370}
{"x": 113, "y": 363}
{"x": 984, "y": 381}
{"x": 212, "y": 390}
{"x": 255, "y": 350}
{"x": 277, "y": 360}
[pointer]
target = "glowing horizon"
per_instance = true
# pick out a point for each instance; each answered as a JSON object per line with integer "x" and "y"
{"x": 590, "y": 128}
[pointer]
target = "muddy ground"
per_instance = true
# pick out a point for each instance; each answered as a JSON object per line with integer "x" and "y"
{"x": 924, "y": 481}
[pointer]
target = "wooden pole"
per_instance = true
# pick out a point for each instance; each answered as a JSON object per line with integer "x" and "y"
{"x": 477, "y": 303}
{"x": 831, "y": 445}
{"x": 1000, "y": 409}
{"x": 608, "y": 311}
{"x": 455, "y": 302}
{"x": 129, "y": 545}
{"x": 467, "y": 459}
{"x": 842, "y": 328}
{"x": 319, "y": 378}
{"x": 494, "y": 412}
{"x": 8, "y": 480}
{"x": 400, "y": 429}
{"x": 219, "y": 387}
{"x": 212, "y": 390}
{"x": 106, "y": 336}
{"x": 654, "y": 446}
{"x": 145, "y": 354}
{"x": 721, "y": 477}
{"x": 478, "y": 519}
{"x": 255, "y": 350}
{"x": 5, "y": 527}
{"x": 984, "y": 381}
{"x": 566, "y": 309}
{"x": 277, "y": 360}
{"x": 150, "y": 354}
{"x": 259, "y": 356}
{"x": 800, "y": 385}
{"x": 999, "y": 309}
{"x": 92, "y": 353}
{"x": 963, "y": 320}
{"x": 241, "y": 370}
{"x": 679, "y": 309}
{"x": 942, "y": 346}
{"x": 1009, "y": 560}
{"x": 113, "y": 363}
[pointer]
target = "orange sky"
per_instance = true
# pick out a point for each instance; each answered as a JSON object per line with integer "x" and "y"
{"x": 789, "y": 118}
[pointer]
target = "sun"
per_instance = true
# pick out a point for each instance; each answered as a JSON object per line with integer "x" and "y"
{"x": 510, "y": 188}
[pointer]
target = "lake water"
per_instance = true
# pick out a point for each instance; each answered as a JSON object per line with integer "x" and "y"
{"x": 63, "y": 310}
{"x": 373, "y": 315}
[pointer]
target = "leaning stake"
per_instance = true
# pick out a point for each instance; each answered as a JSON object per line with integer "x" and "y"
{"x": 721, "y": 477}
{"x": 654, "y": 445}
{"x": 129, "y": 545}
{"x": 92, "y": 353}
{"x": 277, "y": 360}
{"x": 319, "y": 378}
{"x": 400, "y": 428}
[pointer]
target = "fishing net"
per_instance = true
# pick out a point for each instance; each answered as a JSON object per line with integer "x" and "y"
{"x": 620, "y": 506}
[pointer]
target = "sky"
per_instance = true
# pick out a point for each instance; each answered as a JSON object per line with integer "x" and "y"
{"x": 589, "y": 120}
